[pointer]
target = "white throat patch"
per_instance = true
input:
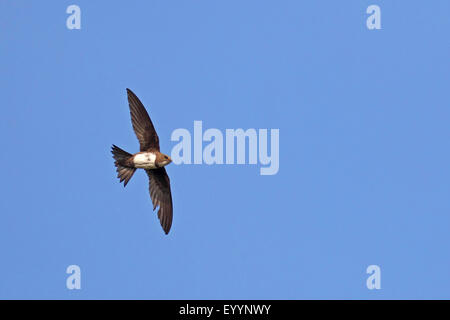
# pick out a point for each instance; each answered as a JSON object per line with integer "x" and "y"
{"x": 145, "y": 160}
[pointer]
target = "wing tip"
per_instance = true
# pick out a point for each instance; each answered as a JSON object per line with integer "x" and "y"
{"x": 166, "y": 221}
{"x": 166, "y": 228}
{"x": 130, "y": 93}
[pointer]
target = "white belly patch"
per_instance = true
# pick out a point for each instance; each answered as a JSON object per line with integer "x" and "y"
{"x": 145, "y": 160}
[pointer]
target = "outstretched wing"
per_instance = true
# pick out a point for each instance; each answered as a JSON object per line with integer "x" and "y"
{"x": 161, "y": 196}
{"x": 142, "y": 125}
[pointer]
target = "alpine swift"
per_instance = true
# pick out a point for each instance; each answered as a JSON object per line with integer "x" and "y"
{"x": 149, "y": 158}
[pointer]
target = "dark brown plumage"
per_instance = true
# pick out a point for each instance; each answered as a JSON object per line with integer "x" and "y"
{"x": 142, "y": 125}
{"x": 159, "y": 187}
{"x": 126, "y": 163}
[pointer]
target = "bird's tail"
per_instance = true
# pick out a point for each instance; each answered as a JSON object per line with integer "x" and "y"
{"x": 124, "y": 172}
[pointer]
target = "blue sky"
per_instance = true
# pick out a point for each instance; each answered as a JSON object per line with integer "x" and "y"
{"x": 364, "y": 160}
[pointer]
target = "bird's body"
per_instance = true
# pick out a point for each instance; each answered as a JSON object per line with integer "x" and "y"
{"x": 149, "y": 158}
{"x": 144, "y": 160}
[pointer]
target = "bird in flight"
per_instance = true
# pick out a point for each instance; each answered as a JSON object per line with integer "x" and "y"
{"x": 149, "y": 158}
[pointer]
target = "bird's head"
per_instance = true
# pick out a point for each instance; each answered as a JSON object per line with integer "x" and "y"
{"x": 162, "y": 160}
